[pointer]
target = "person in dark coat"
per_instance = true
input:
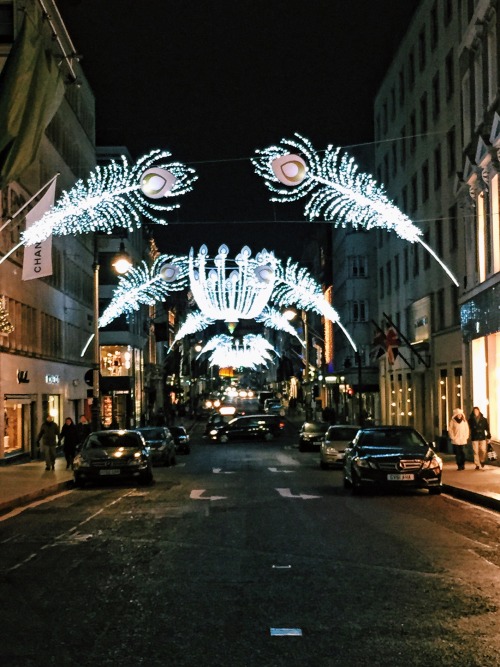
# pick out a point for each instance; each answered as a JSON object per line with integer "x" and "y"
{"x": 480, "y": 436}
{"x": 82, "y": 430}
{"x": 48, "y": 435}
{"x": 69, "y": 438}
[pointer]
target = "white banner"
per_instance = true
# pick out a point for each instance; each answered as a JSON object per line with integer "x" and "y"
{"x": 38, "y": 257}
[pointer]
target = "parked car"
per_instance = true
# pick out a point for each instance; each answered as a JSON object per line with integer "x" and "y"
{"x": 161, "y": 442}
{"x": 311, "y": 435}
{"x": 392, "y": 457}
{"x": 181, "y": 439}
{"x": 332, "y": 448}
{"x": 273, "y": 406}
{"x": 261, "y": 427}
{"x": 113, "y": 454}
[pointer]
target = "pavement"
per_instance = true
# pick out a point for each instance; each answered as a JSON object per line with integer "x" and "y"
{"x": 24, "y": 483}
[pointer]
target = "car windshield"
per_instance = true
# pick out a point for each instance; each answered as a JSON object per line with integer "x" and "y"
{"x": 341, "y": 433}
{"x": 393, "y": 438}
{"x": 314, "y": 427}
{"x": 152, "y": 433}
{"x": 112, "y": 440}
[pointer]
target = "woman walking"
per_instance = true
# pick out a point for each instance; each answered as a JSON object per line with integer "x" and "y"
{"x": 458, "y": 430}
{"x": 480, "y": 436}
{"x": 70, "y": 436}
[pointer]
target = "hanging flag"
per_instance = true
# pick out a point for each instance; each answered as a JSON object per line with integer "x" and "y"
{"x": 32, "y": 89}
{"x": 392, "y": 343}
{"x": 38, "y": 257}
{"x": 378, "y": 346}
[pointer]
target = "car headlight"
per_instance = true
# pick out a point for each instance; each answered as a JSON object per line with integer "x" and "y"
{"x": 364, "y": 463}
{"x": 435, "y": 463}
{"x": 214, "y": 431}
{"x": 331, "y": 450}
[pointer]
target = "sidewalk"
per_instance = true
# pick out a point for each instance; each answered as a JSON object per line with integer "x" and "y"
{"x": 23, "y": 483}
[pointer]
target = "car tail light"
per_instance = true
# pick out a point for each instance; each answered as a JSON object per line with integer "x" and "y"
{"x": 282, "y": 424}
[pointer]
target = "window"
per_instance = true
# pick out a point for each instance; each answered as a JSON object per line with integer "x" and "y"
{"x": 451, "y": 155}
{"x": 421, "y": 49}
{"x": 392, "y": 103}
{"x": 406, "y": 264}
{"x": 359, "y": 311}
{"x": 411, "y": 69}
{"x": 434, "y": 26}
{"x": 403, "y": 145}
{"x": 381, "y": 282}
{"x": 440, "y": 306}
{"x": 453, "y": 227}
{"x": 405, "y": 199}
{"x": 455, "y": 308}
{"x": 6, "y": 24}
{"x": 436, "y": 99}
{"x": 439, "y": 238}
{"x": 358, "y": 266}
{"x": 413, "y": 132}
{"x": 425, "y": 181}
{"x": 394, "y": 159}
{"x": 414, "y": 194}
{"x": 401, "y": 78}
{"x": 396, "y": 272}
{"x": 388, "y": 273}
{"x": 437, "y": 167}
{"x": 447, "y": 11}
{"x": 416, "y": 259}
{"x": 449, "y": 79}
{"x": 427, "y": 255}
{"x": 423, "y": 114}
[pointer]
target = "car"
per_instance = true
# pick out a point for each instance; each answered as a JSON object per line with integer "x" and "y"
{"x": 113, "y": 454}
{"x": 311, "y": 435}
{"x": 273, "y": 406}
{"x": 336, "y": 439}
{"x": 392, "y": 457}
{"x": 181, "y": 439}
{"x": 248, "y": 427}
{"x": 263, "y": 396}
{"x": 161, "y": 442}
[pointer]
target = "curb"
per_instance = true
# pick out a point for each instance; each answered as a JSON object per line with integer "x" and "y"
{"x": 472, "y": 497}
{"x": 39, "y": 494}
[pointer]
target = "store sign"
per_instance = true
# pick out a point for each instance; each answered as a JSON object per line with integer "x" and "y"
{"x": 420, "y": 317}
{"x": 52, "y": 379}
{"x": 22, "y": 377}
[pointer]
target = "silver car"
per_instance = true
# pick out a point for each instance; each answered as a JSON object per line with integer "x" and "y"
{"x": 337, "y": 438}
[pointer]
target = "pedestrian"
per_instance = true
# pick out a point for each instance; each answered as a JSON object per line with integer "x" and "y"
{"x": 48, "y": 435}
{"x": 458, "y": 430}
{"x": 480, "y": 436}
{"x": 69, "y": 438}
{"x": 82, "y": 430}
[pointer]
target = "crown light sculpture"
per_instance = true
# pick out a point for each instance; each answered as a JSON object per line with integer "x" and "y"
{"x": 230, "y": 290}
{"x": 337, "y": 191}
{"x": 117, "y": 195}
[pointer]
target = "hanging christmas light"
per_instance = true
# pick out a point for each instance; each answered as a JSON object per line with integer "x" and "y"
{"x": 252, "y": 351}
{"x": 338, "y": 192}
{"x": 231, "y": 290}
{"x": 193, "y": 323}
{"x": 117, "y": 195}
{"x": 274, "y": 319}
{"x": 146, "y": 285}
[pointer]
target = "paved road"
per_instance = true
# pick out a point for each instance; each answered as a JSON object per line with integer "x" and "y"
{"x": 249, "y": 555}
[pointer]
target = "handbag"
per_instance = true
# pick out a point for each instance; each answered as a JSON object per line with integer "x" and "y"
{"x": 492, "y": 455}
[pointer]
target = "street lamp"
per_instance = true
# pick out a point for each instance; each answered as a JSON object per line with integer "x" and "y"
{"x": 121, "y": 264}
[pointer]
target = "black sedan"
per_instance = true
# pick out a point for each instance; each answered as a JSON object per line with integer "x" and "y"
{"x": 311, "y": 435}
{"x": 161, "y": 442}
{"x": 119, "y": 454}
{"x": 181, "y": 439}
{"x": 249, "y": 427}
{"x": 391, "y": 457}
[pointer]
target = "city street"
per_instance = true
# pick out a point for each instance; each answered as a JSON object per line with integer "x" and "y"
{"x": 249, "y": 554}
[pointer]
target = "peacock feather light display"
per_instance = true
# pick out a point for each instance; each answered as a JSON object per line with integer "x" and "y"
{"x": 252, "y": 351}
{"x": 336, "y": 190}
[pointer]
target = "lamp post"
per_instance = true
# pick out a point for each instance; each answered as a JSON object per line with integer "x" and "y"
{"x": 121, "y": 264}
{"x": 306, "y": 384}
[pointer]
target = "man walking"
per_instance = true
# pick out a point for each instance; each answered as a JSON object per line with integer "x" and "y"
{"x": 48, "y": 436}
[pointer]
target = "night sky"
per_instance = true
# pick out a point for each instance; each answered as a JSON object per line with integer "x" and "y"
{"x": 212, "y": 81}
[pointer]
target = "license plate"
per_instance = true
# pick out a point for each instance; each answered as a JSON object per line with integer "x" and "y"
{"x": 401, "y": 477}
{"x": 111, "y": 471}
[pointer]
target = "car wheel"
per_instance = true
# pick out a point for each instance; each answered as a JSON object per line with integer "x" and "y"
{"x": 356, "y": 487}
{"x": 79, "y": 482}
{"x": 268, "y": 437}
{"x": 435, "y": 490}
{"x": 224, "y": 438}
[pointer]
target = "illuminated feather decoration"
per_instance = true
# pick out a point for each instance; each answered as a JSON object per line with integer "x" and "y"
{"x": 273, "y": 319}
{"x": 251, "y": 352}
{"x": 339, "y": 193}
{"x": 193, "y": 323}
{"x": 144, "y": 285}
{"x": 112, "y": 197}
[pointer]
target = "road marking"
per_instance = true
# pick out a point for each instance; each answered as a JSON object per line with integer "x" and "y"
{"x": 19, "y": 510}
{"x": 224, "y": 472}
{"x": 278, "y": 470}
{"x": 196, "y": 494}
{"x": 286, "y": 493}
{"x": 286, "y": 632}
{"x": 282, "y": 567}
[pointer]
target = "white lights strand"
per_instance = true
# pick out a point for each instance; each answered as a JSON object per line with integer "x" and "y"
{"x": 274, "y": 319}
{"x": 193, "y": 323}
{"x": 339, "y": 193}
{"x": 111, "y": 197}
{"x": 146, "y": 285}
